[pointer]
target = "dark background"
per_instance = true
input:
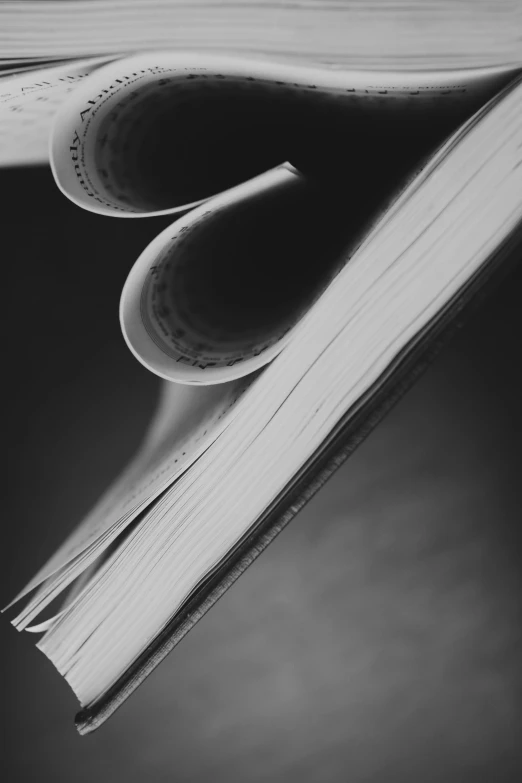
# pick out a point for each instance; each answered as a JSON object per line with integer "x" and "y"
{"x": 377, "y": 639}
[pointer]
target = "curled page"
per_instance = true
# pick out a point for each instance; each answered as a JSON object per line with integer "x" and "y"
{"x": 216, "y": 295}
{"x": 165, "y": 133}
{"x": 162, "y": 132}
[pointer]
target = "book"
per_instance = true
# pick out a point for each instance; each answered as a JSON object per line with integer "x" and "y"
{"x": 331, "y": 226}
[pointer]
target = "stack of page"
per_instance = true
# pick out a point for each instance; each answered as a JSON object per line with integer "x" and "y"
{"x": 335, "y": 213}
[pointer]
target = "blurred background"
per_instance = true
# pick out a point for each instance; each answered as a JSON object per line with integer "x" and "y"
{"x": 378, "y": 638}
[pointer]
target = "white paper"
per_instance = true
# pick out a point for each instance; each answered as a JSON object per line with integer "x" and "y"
{"x": 85, "y": 139}
{"x": 186, "y": 422}
{"x": 28, "y": 105}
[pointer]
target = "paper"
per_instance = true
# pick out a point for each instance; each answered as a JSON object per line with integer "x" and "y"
{"x": 167, "y": 313}
{"x": 372, "y": 34}
{"x": 169, "y": 318}
{"x": 109, "y": 137}
{"x": 414, "y": 265}
{"x": 28, "y": 105}
{"x": 187, "y": 421}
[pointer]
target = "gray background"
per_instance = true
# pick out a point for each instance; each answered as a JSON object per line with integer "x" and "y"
{"x": 377, "y": 639}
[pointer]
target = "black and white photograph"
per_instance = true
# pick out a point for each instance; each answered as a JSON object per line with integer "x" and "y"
{"x": 263, "y": 391}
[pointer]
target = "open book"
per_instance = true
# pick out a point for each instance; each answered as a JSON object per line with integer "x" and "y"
{"x": 330, "y": 225}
